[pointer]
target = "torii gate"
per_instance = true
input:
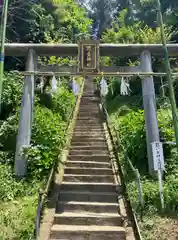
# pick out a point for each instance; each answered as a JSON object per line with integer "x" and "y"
{"x": 88, "y": 65}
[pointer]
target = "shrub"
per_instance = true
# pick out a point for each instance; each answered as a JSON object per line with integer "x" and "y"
{"x": 12, "y": 188}
{"x": 47, "y": 140}
{"x": 132, "y": 132}
{"x": 63, "y": 102}
{"x": 12, "y": 94}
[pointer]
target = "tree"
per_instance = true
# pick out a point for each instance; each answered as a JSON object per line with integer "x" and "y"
{"x": 70, "y": 16}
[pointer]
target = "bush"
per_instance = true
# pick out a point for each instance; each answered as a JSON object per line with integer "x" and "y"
{"x": 131, "y": 128}
{"x": 132, "y": 133}
{"x": 11, "y": 95}
{"x": 12, "y": 188}
{"x": 63, "y": 102}
{"x": 48, "y": 133}
{"x": 47, "y": 140}
{"x": 8, "y": 133}
{"x": 152, "y": 197}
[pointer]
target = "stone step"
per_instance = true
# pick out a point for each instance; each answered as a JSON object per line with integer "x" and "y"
{"x": 85, "y": 125}
{"x": 87, "y": 88}
{"x": 88, "y": 164}
{"x": 90, "y": 152}
{"x": 93, "y": 99}
{"x": 89, "y": 109}
{"x": 92, "y": 207}
{"x": 88, "y": 178}
{"x": 89, "y": 196}
{"x": 95, "y": 158}
{"x": 93, "y": 171}
{"x": 81, "y": 232}
{"x": 90, "y": 186}
{"x": 90, "y": 97}
{"x": 102, "y": 143}
{"x": 86, "y": 122}
{"x": 94, "y": 125}
{"x": 89, "y": 103}
{"x": 88, "y": 218}
{"x": 88, "y": 128}
{"x": 88, "y": 147}
{"x": 89, "y": 115}
{"x": 89, "y": 118}
{"x": 89, "y": 133}
{"x": 88, "y": 138}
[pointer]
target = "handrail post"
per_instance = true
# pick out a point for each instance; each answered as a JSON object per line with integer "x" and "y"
{"x": 140, "y": 190}
{"x": 26, "y": 117}
{"x": 37, "y": 223}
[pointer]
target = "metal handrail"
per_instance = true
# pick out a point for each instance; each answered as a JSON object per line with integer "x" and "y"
{"x": 135, "y": 170}
{"x": 43, "y": 194}
{"x": 128, "y": 203}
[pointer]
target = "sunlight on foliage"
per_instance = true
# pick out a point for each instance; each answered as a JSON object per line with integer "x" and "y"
{"x": 136, "y": 33}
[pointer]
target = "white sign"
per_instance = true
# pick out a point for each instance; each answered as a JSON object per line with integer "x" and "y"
{"x": 158, "y": 158}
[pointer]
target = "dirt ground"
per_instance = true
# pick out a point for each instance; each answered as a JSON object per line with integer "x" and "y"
{"x": 161, "y": 228}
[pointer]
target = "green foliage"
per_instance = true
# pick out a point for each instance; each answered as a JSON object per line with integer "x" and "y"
{"x": 135, "y": 33}
{"x": 131, "y": 128}
{"x": 11, "y": 95}
{"x": 46, "y": 21}
{"x": 48, "y": 136}
{"x": 11, "y": 188}
{"x": 132, "y": 135}
{"x": 17, "y": 218}
{"x": 114, "y": 88}
{"x": 63, "y": 101}
{"x": 49, "y": 131}
{"x": 8, "y": 133}
{"x": 152, "y": 198}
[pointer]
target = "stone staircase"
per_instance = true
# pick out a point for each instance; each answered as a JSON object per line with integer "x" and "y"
{"x": 87, "y": 206}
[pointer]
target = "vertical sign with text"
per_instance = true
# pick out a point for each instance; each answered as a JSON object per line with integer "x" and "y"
{"x": 158, "y": 158}
{"x": 88, "y": 56}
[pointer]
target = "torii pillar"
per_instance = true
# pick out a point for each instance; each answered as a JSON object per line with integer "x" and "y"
{"x": 150, "y": 111}
{"x": 26, "y": 116}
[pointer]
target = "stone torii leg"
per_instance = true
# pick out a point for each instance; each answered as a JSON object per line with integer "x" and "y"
{"x": 26, "y": 116}
{"x": 149, "y": 102}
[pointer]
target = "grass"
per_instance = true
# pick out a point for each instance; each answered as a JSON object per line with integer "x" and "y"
{"x": 17, "y": 218}
{"x": 18, "y": 204}
{"x": 157, "y": 227}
